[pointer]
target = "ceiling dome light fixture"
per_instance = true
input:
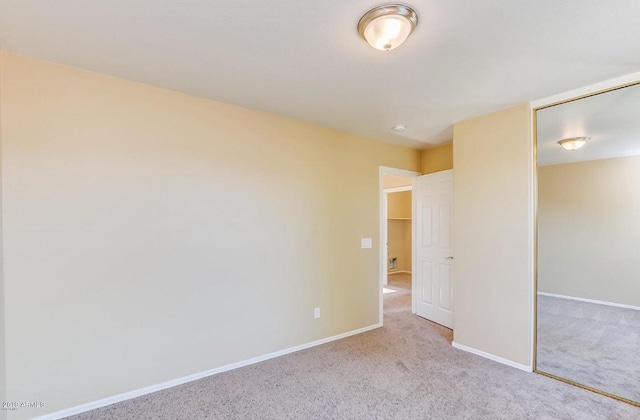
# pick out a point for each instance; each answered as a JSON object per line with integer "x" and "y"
{"x": 573, "y": 143}
{"x": 387, "y": 27}
{"x": 399, "y": 128}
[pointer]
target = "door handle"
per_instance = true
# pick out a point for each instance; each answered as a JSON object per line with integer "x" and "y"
{"x": 448, "y": 258}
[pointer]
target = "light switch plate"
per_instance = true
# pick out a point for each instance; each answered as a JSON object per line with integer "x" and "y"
{"x": 365, "y": 243}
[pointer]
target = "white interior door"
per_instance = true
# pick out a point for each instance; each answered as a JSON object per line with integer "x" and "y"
{"x": 433, "y": 249}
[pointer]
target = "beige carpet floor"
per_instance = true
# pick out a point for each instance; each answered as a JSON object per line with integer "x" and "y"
{"x": 404, "y": 370}
{"x": 594, "y": 345}
{"x": 397, "y": 296}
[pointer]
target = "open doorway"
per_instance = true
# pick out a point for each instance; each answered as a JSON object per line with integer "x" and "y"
{"x": 426, "y": 287}
{"x": 397, "y": 292}
{"x": 396, "y": 240}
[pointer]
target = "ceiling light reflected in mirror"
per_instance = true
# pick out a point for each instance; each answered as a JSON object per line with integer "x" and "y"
{"x": 611, "y": 121}
{"x": 573, "y": 143}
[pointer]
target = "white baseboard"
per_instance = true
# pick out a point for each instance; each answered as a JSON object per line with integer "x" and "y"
{"x": 179, "y": 381}
{"x": 597, "y": 302}
{"x": 399, "y": 271}
{"x": 492, "y": 357}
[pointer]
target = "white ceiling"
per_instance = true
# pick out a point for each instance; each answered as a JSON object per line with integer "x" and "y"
{"x": 305, "y": 59}
{"x": 611, "y": 120}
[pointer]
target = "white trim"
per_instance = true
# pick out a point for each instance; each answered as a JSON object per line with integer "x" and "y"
{"x": 382, "y": 233}
{"x": 399, "y": 272}
{"x": 397, "y": 189}
{"x": 532, "y": 239}
{"x": 597, "y": 302}
{"x": 386, "y": 170}
{"x": 586, "y": 90}
{"x": 492, "y": 357}
{"x": 414, "y": 248}
{"x": 179, "y": 381}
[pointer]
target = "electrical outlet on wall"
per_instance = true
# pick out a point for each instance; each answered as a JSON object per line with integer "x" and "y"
{"x": 316, "y": 313}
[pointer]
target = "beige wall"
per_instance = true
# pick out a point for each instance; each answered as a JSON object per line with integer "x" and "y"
{"x": 394, "y": 181}
{"x": 399, "y": 231}
{"x": 150, "y": 235}
{"x": 437, "y": 159}
{"x": 397, "y": 240}
{"x": 406, "y": 226}
{"x": 399, "y": 205}
{"x": 3, "y": 371}
{"x": 492, "y": 234}
{"x": 589, "y": 230}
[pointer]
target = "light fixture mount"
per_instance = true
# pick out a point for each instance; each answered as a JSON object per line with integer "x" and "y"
{"x": 387, "y": 27}
{"x": 573, "y": 143}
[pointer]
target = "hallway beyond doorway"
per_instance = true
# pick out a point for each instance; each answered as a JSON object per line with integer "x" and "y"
{"x": 397, "y": 293}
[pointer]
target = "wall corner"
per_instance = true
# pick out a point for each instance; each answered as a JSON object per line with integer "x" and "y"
{"x": 436, "y": 159}
{"x": 3, "y": 347}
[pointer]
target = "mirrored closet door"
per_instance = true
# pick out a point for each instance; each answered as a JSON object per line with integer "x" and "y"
{"x": 588, "y": 242}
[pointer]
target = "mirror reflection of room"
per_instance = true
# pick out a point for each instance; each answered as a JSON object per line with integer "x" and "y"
{"x": 588, "y": 272}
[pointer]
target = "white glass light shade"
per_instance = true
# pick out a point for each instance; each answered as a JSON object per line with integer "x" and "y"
{"x": 573, "y": 143}
{"x": 387, "y": 27}
{"x": 387, "y": 32}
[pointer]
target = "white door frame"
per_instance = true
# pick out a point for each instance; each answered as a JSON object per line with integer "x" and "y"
{"x": 384, "y": 170}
